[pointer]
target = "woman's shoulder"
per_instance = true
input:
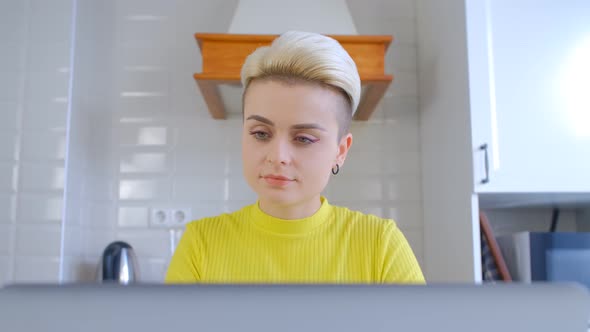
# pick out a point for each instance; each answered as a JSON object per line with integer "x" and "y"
{"x": 345, "y": 215}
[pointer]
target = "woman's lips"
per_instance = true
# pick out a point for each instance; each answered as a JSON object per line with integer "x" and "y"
{"x": 277, "y": 180}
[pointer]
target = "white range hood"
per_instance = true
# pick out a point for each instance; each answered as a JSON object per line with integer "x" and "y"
{"x": 330, "y": 17}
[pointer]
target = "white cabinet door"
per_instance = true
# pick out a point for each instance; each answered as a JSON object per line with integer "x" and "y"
{"x": 529, "y": 78}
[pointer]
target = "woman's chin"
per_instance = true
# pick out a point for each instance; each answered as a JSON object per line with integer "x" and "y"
{"x": 281, "y": 197}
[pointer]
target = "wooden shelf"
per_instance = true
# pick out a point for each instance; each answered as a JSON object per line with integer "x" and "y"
{"x": 224, "y": 55}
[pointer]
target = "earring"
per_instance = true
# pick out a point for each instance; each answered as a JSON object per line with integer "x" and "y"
{"x": 337, "y": 169}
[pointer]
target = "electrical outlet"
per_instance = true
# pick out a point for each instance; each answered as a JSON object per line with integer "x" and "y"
{"x": 180, "y": 216}
{"x": 159, "y": 217}
{"x": 170, "y": 217}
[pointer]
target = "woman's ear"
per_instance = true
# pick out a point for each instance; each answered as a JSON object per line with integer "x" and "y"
{"x": 343, "y": 148}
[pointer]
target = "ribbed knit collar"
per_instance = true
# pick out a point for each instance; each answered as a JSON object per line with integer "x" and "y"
{"x": 290, "y": 227}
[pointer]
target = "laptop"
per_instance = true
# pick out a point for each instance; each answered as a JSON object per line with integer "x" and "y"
{"x": 295, "y": 308}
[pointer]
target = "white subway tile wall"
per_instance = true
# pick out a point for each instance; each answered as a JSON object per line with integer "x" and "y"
{"x": 74, "y": 242}
{"x": 144, "y": 162}
{"x": 36, "y": 269}
{"x": 134, "y": 135}
{"x": 152, "y": 270}
{"x": 147, "y": 243}
{"x": 188, "y": 163}
{"x": 99, "y": 187}
{"x": 42, "y": 115}
{"x": 12, "y": 24}
{"x": 7, "y": 174}
{"x": 43, "y": 145}
{"x": 8, "y": 115}
{"x": 98, "y": 214}
{"x": 42, "y": 177}
{"x": 35, "y": 39}
{"x": 40, "y": 208}
{"x": 47, "y": 86}
{"x": 50, "y": 57}
{"x": 414, "y": 237}
{"x": 141, "y": 136}
{"x": 9, "y": 91}
{"x": 8, "y": 145}
{"x": 50, "y": 22}
{"x": 95, "y": 241}
{"x": 76, "y": 268}
{"x": 6, "y": 239}
{"x": 12, "y": 56}
{"x": 73, "y": 213}
{"x": 130, "y": 216}
{"x": 6, "y": 274}
{"x": 144, "y": 189}
{"x": 212, "y": 189}
{"x": 92, "y": 188}
{"x": 38, "y": 240}
{"x": 7, "y": 208}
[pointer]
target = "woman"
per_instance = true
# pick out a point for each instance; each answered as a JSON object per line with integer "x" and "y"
{"x": 299, "y": 97}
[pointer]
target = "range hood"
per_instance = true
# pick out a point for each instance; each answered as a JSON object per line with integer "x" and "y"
{"x": 258, "y": 22}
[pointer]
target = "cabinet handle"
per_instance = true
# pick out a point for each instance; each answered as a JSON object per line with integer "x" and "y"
{"x": 484, "y": 147}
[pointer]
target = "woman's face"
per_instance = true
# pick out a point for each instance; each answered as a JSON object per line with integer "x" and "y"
{"x": 290, "y": 140}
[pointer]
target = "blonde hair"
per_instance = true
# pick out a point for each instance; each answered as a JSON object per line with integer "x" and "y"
{"x": 307, "y": 57}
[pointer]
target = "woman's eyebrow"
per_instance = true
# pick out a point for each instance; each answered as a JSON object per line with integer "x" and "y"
{"x": 297, "y": 126}
{"x": 261, "y": 119}
{"x": 308, "y": 126}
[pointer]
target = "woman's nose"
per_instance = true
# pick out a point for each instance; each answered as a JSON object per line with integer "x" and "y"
{"x": 279, "y": 152}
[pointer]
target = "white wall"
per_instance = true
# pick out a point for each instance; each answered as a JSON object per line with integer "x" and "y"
{"x": 450, "y": 208}
{"x": 35, "y": 66}
{"x": 90, "y": 212}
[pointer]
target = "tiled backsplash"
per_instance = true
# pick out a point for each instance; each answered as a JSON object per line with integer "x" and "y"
{"x": 35, "y": 42}
{"x": 141, "y": 137}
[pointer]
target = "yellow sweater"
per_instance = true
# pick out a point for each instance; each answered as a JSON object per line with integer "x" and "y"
{"x": 335, "y": 245}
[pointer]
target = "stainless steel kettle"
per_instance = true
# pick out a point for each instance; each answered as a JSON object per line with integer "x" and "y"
{"x": 118, "y": 264}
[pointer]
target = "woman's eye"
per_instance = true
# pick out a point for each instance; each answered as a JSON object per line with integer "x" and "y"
{"x": 304, "y": 140}
{"x": 259, "y": 135}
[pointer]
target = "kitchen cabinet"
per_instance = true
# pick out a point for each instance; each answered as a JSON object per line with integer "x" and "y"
{"x": 529, "y": 77}
{"x": 512, "y": 77}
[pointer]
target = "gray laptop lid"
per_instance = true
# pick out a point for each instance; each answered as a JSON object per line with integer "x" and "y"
{"x": 262, "y": 308}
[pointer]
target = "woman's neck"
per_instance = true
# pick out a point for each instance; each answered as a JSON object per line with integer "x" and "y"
{"x": 297, "y": 210}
